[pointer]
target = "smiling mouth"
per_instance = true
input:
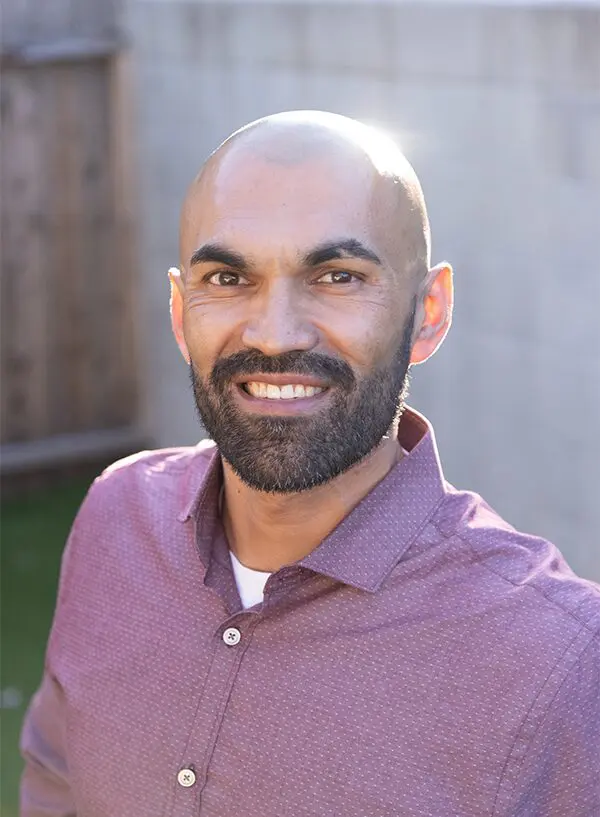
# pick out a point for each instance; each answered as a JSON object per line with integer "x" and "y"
{"x": 287, "y": 391}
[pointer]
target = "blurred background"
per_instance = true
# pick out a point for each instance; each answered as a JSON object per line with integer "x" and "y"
{"x": 108, "y": 109}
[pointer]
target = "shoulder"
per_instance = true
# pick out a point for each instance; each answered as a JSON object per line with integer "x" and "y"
{"x": 525, "y": 613}
{"x": 131, "y": 510}
{"x": 522, "y": 609}
{"x": 163, "y": 464}
{"x": 148, "y": 484}
{"x": 523, "y": 569}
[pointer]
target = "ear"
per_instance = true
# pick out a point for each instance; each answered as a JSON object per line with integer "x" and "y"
{"x": 176, "y": 307}
{"x": 434, "y": 312}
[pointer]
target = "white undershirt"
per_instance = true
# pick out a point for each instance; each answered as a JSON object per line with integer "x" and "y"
{"x": 250, "y": 583}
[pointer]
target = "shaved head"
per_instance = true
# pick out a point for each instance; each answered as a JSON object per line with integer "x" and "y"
{"x": 320, "y": 143}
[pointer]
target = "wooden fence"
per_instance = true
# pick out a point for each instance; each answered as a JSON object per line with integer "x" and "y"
{"x": 67, "y": 354}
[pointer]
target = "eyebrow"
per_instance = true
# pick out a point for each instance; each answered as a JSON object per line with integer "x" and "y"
{"x": 327, "y": 251}
{"x": 219, "y": 255}
{"x": 346, "y": 248}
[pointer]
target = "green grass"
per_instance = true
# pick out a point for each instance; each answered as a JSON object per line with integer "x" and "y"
{"x": 33, "y": 534}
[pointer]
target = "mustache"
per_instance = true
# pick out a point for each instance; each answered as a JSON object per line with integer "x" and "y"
{"x": 252, "y": 362}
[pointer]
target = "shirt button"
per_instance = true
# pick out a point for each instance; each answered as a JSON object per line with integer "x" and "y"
{"x": 186, "y": 777}
{"x": 232, "y": 636}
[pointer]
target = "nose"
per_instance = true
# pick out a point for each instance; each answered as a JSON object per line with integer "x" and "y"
{"x": 279, "y": 321}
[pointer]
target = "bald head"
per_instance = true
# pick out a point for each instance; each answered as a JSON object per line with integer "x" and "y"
{"x": 304, "y": 151}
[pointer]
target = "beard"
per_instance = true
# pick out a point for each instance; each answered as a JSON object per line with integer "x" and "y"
{"x": 291, "y": 454}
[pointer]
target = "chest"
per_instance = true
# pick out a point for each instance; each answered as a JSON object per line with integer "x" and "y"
{"x": 317, "y": 710}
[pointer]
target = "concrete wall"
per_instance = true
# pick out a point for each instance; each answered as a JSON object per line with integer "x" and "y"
{"x": 498, "y": 108}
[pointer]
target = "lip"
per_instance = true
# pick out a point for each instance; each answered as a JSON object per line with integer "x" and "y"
{"x": 283, "y": 380}
{"x": 279, "y": 408}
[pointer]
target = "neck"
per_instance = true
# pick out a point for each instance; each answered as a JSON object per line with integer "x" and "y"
{"x": 268, "y": 531}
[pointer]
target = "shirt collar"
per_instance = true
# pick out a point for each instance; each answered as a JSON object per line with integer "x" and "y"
{"x": 365, "y": 546}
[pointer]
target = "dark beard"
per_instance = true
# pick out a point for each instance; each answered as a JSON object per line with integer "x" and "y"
{"x": 291, "y": 454}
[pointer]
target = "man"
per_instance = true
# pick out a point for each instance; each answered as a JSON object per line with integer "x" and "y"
{"x": 305, "y": 618}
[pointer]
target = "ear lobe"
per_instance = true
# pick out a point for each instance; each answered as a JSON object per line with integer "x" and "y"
{"x": 176, "y": 309}
{"x": 435, "y": 313}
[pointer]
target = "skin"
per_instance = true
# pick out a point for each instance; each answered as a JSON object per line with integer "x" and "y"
{"x": 273, "y": 193}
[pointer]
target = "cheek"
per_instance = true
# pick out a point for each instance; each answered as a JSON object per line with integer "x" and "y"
{"x": 366, "y": 338}
{"x": 206, "y": 335}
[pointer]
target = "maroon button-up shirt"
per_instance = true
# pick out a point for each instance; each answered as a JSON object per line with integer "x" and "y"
{"x": 426, "y": 660}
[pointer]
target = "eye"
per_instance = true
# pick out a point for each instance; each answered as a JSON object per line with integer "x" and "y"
{"x": 338, "y": 277}
{"x": 226, "y": 279}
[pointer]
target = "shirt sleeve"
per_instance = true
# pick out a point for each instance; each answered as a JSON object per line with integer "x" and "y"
{"x": 45, "y": 784}
{"x": 45, "y": 788}
{"x": 560, "y": 774}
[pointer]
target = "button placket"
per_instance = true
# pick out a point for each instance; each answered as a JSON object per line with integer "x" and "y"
{"x": 209, "y": 715}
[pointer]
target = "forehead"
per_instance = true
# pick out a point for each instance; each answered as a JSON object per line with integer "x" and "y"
{"x": 264, "y": 209}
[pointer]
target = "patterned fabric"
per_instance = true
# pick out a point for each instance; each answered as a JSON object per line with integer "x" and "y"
{"x": 426, "y": 660}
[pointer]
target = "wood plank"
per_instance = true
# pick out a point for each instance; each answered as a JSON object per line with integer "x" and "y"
{"x": 68, "y": 277}
{"x": 24, "y": 229}
{"x": 125, "y": 208}
{"x": 92, "y": 293}
{"x": 98, "y": 234}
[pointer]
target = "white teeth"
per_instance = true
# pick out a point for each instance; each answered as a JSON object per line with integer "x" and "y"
{"x": 288, "y": 392}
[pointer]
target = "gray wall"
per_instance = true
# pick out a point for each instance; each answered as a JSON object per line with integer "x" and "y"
{"x": 498, "y": 108}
